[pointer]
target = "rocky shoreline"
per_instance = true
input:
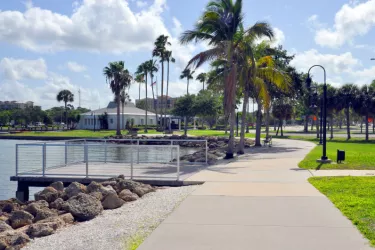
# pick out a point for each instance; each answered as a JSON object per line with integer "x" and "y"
{"x": 56, "y": 207}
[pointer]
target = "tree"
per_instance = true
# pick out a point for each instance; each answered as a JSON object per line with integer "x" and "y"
{"x": 364, "y": 104}
{"x": 282, "y": 110}
{"x": 188, "y": 74}
{"x": 65, "y": 96}
{"x": 151, "y": 66}
{"x": 184, "y": 107}
{"x": 4, "y": 117}
{"x": 169, "y": 59}
{"x": 202, "y": 77}
{"x": 142, "y": 105}
{"x": 207, "y": 106}
{"x": 118, "y": 78}
{"x": 219, "y": 25}
{"x": 346, "y": 97}
{"x": 139, "y": 79}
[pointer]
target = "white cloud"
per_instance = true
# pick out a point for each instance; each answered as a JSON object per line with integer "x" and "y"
{"x": 141, "y": 4}
{"x": 18, "y": 69}
{"x": 95, "y": 25}
{"x": 313, "y": 23}
{"x": 177, "y": 29}
{"x": 353, "y": 19}
{"x": 278, "y": 39}
{"x": 76, "y": 67}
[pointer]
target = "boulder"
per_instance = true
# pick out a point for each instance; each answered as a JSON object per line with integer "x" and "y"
{"x": 10, "y": 205}
{"x": 135, "y": 187}
{"x": 109, "y": 183}
{"x": 56, "y": 221}
{"x": 13, "y": 240}
{"x": 83, "y": 207}
{"x": 20, "y": 218}
{"x": 59, "y": 186}
{"x": 97, "y": 187}
{"x": 74, "y": 189}
{"x": 67, "y": 218}
{"x": 143, "y": 189}
{"x": 32, "y": 208}
{"x": 41, "y": 229}
{"x": 4, "y": 227}
{"x": 57, "y": 204}
{"x": 44, "y": 213}
{"x": 112, "y": 201}
{"x": 128, "y": 196}
{"x": 48, "y": 194}
{"x": 97, "y": 195}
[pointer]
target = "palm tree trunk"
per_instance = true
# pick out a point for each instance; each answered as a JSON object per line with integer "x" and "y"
{"x": 118, "y": 131}
{"x": 347, "y": 123}
{"x": 123, "y": 118}
{"x": 248, "y": 111}
{"x": 281, "y": 130}
{"x": 366, "y": 121}
{"x": 267, "y": 123}
{"x": 258, "y": 129}
{"x": 162, "y": 93}
{"x": 66, "y": 116}
{"x": 185, "y": 125}
{"x": 306, "y": 128}
{"x": 166, "y": 98}
{"x": 241, "y": 149}
{"x": 146, "y": 108}
{"x": 278, "y": 127}
{"x": 331, "y": 123}
{"x": 156, "y": 110}
{"x": 139, "y": 92}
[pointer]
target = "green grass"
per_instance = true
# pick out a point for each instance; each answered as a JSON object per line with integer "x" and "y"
{"x": 78, "y": 133}
{"x": 354, "y": 196}
{"x": 359, "y": 155}
{"x": 135, "y": 242}
{"x": 216, "y": 133}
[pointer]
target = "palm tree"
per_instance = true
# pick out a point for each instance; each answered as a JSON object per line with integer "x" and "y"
{"x": 364, "y": 103}
{"x": 188, "y": 74}
{"x": 202, "y": 77}
{"x": 139, "y": 79}
{"x": 161, "y": 52}
{"x": 346, "y": 97}
{"x": 143, "y": 70}
{"x": 169, "y": 59}
{"x": 118, "y": 78}
{"x": 65, "y": 96}
{"x": 151, "y": 66}
{"x": 219, "y": 25}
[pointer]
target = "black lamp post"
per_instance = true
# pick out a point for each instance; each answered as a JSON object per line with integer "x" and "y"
{"x": 324, "y": 157}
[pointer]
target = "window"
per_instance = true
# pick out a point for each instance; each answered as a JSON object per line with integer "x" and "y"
{"x": 111, "y": 120}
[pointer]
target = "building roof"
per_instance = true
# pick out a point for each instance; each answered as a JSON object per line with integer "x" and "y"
{"x": 111, "y": 109}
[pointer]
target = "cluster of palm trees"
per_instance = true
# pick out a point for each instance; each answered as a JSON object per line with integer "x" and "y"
{"x": 145, "y": 74}
{"x": 238, "y": 68}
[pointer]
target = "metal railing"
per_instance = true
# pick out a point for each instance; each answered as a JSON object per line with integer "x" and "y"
{"x": 102, "y": 158}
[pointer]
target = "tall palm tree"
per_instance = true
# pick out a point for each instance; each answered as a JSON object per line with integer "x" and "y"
{"x": 118, "y": 78}
{"x": 188, "y": 74}
{"x": 202, "y": 77}
{"x": 169, "y": 59}
{"x": 346, "y": 97}
{"x": 139, "y": 79}
{"x": 143, "y": 69}
{"x": 65, "y": 96}
{"x": 160, "y": 50}
{"x": 219, "y": 25}
{"x": 151, "y": 66}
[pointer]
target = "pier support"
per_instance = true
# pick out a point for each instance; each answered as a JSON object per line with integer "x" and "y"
{"x": 22, "y": 192}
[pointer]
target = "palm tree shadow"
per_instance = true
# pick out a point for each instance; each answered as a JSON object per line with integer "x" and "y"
{"x": 319, "y": 166}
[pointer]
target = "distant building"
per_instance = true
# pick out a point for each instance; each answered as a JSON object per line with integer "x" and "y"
{"x": 158, "y": 104}
{"x": 9, "y": 105}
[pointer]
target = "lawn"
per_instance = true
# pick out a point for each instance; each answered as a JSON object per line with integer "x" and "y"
{"x": 359, "y": 155}
{"x": 79, "y": 133}
{"x": 354, "y": 196}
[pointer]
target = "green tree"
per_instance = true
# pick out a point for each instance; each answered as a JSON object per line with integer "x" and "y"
{"x": 169, "y": 59}
{"x": 184, "y": 107}
{"x": 118, "y": 78}
{"x": 208, "y": 106}
{"x": 282, "y": 110}
{"x": 139, "y": 79}
{"x": 188, "y": 74}
{"x": 364, "y": 104}
{"x": 202, "y": 77}
{"x": 4, "y": 117}
{"x": 65, "y": 96}
{"x": 346, "y": 96}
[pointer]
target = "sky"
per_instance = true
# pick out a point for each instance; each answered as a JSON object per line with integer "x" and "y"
{"x": 50, "y": 45}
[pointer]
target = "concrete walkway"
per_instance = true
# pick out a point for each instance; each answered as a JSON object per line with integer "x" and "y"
{"x": 262, "y": 202}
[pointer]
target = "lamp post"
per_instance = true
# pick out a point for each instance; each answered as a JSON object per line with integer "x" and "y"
{"x": 324, "y": 158}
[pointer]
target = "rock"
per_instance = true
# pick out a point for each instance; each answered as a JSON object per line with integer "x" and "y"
{"x": 48, "y": 194}
{"x": 59, "y": 186}
{"x": 32, "y": 208}
{"x": 41, "y": 229}
{"x": 109, "y": 183}
{"x": 20, "y": 218}
{"x": 128, "y": 196}
{"x": 135, "y": 187}
{"x": 10, "y": 205}
{"x": 97, "y": 187}
{"x": 4, "y": 227}
{"x": 12, "y": 240}
{"x": 112, "y": 201}
{"x": 44, "y": 214}
{"x": 74, "y": 189}
{"x": 143, "y": 189}
{"x": 56, "y": 221}
{"x": 67, "y": 218}
{"x": 97, "y": 195}
{"x": 4, "y": 217}
{"x": 57, "y": 204}
{"x": 121, "y": 176}
{"x": 83, "y": 207}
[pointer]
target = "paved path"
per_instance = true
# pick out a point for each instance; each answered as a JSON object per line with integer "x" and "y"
{"x": 261, "y": 202}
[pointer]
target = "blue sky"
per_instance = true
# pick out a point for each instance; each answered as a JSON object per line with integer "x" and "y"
{"x": 49, "y": 45}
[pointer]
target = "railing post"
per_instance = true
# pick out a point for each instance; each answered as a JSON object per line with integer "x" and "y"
{"x": 178, "y": 163}
{"x": 87, "y": 160}
{"x": 105, "y": 151}
{"x": 16, "y": 159}
{"x": 138, "y": 151}
{"x": 44, "y": 159}
{"x": 131, "y": 162}
{"x": 66, "y": 153}
{"x": 206, "y": 152}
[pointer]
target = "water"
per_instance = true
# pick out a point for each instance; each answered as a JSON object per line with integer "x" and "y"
{"x": 30, "y": 159}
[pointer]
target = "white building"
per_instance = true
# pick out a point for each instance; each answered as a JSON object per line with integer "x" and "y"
{"x": 90, "y": 120}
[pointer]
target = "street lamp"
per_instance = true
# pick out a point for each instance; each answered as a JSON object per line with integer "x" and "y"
{"x": 324, "y": 158}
